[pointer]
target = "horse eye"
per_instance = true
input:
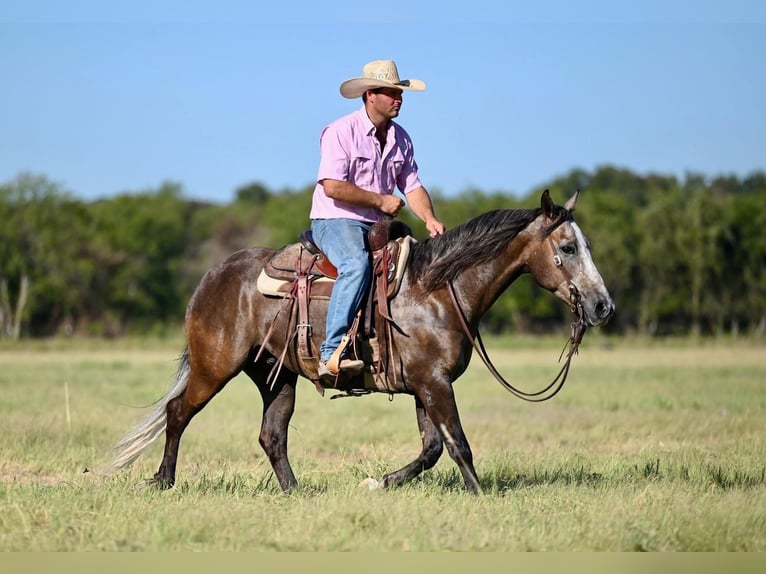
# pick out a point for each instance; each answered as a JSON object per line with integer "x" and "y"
{"x": 568, "y": 249}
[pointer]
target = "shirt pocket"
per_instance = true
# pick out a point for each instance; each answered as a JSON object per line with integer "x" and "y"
{"x": 361, "y": 171}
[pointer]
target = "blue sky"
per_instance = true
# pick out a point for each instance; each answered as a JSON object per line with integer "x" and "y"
{"x": 112, "y": 97}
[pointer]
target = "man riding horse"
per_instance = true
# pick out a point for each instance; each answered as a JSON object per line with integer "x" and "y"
{"x": 364, "y": 156}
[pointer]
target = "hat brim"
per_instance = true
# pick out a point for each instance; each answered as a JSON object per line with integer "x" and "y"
{"x": 356, "y": 87}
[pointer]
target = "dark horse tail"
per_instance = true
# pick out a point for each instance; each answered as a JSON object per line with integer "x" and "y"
{"x": 137, "y": 439}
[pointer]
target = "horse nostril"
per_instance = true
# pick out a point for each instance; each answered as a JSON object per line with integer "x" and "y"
{"x": 604, "y": 310}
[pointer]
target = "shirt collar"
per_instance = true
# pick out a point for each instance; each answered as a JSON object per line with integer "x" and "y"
{"x": 367, "y": 122}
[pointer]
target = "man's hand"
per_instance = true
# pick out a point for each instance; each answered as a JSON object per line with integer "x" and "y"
{"x": 435, "y": 227}
{"x": 391, "y": 204}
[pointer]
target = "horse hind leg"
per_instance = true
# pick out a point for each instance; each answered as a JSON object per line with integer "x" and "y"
{"x": 433, "y": 446}
{"x": 203, "y": 385}
{"x": 141, "y": 436}
{"x": 278, "y": 408}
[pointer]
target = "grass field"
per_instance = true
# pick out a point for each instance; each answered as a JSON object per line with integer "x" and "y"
{"x": 654, "y": 446}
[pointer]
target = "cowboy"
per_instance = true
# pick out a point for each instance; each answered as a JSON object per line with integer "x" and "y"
{"x": 364, "y": 156}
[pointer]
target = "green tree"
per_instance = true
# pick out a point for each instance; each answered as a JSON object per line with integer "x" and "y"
{"x": 45, "y": 268}
{"x": 698, "y": 240}
{"x": 744, "y": 261}
{"x": 142, "y": 242}
{"x": 287, "y": 216}
{"x": 254, "y": 192}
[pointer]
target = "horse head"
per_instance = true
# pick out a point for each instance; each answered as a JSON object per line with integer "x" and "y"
{"x": 562, "y": 262}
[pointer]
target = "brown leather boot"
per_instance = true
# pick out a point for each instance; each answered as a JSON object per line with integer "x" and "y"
{"x": 347, "y": 366}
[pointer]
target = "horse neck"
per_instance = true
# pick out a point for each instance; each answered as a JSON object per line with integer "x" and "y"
{"x": 478, "y": 288}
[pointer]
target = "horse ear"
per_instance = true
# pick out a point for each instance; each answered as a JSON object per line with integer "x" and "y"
{"x": 570, "y": 205}
{"x": 546, "y": 203}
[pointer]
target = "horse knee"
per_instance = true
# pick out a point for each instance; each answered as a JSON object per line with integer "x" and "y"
{"x": 271, "y": 442}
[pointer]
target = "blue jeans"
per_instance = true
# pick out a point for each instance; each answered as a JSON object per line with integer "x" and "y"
{"x": 344, "y": 242}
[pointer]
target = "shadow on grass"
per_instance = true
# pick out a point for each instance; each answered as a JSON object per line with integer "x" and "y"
{"x": 505, "y": 478}
{"x": 499, "y": 479}
{"x": 704, "y": 476}
{"x": 503, "y": 481}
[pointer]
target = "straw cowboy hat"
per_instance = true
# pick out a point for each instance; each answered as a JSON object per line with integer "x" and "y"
{"x": 379, "y": 74}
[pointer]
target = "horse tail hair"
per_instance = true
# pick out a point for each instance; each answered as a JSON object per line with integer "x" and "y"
{"x": 138, "y": 439}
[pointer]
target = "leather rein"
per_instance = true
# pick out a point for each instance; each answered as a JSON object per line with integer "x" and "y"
{"x": 578, "y": 331}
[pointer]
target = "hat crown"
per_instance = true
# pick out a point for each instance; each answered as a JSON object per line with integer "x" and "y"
{"x": 381, "y": 70}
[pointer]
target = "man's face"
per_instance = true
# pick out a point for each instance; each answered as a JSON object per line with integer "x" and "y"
{"x": 386, "y": 101}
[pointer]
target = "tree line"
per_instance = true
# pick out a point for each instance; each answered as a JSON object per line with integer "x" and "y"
{"x": 680, "y": 256}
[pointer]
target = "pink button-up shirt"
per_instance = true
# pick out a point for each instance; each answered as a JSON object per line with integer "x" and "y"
{"x": 351, "y": 152}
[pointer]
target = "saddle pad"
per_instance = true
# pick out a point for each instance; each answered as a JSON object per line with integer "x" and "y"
{"x": 281, "y": 288}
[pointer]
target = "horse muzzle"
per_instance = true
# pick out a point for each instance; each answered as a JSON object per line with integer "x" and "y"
{"x": 595, "y": 307}
{"x": 598, "y": 313}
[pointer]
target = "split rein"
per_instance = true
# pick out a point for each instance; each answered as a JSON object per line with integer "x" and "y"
{"x": 578, "y": 331}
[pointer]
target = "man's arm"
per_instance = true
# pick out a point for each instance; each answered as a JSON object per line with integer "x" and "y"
{"x": 421, "y": 205}
{"x": 347, "y": 192}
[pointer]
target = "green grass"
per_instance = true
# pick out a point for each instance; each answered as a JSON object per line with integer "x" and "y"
{"x": 649, "y": 447}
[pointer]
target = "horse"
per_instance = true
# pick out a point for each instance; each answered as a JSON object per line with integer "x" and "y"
{"x": 449, "y": 283}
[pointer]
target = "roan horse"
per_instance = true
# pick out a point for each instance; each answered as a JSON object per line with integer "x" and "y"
{"x": 459, "y": 274}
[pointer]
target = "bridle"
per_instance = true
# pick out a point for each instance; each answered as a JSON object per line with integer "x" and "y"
{"x": 578, "y": 332}
{"x": 574, "y": 293}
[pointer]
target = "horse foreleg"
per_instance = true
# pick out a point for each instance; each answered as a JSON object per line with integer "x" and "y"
{"x": 440, "y": 406}
{"x": 278, "y": 408}
{"x": 432, "y": 450}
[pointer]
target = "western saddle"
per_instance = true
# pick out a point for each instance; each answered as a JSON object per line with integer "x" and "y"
{"x": 300, "y": 273}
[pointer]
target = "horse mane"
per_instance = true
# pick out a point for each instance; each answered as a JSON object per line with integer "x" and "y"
{"x": 434, "y": 262}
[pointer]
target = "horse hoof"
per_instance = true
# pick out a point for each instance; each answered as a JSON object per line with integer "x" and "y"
{"x": 370, "y": 484}
{"x": 154, "y": 484}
